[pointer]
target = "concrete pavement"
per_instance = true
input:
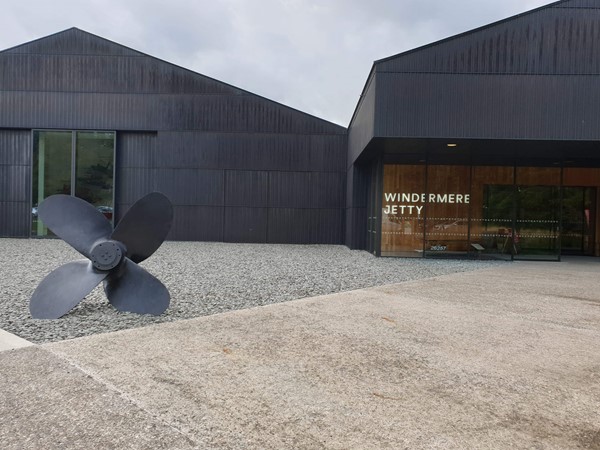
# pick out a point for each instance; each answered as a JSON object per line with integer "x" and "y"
{"x": 501, "y": 358}
{"x": 9, "y": 341}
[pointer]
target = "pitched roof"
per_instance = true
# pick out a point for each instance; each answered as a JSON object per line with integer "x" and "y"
{"x": 73, "y": 41}
{"x": 555, "y": 38}
{"x": 74, "y": 51}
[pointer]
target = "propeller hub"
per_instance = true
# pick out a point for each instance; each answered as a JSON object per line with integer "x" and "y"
{"x": 107, "y": 255}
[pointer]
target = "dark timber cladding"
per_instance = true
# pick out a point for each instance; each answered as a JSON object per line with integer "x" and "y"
{"x": 236, "y": 166}
{"x": 520, "y": 89}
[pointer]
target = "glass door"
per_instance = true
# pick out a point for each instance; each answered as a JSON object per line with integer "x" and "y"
{"x": 578, "y": 216}
{"x": 537, "y": 226}
{"x": 496, "y": 225}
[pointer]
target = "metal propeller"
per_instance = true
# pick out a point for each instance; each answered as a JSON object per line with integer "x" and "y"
{"x": 112, "y": 256}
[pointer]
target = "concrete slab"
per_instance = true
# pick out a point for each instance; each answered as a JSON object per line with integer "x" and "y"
{"x": 47, "y": 403}
{"x": 9, "y": 341}
{"x": 501, "y": 358}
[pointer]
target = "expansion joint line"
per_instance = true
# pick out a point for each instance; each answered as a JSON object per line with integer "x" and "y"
{"x": 124, "y": 395}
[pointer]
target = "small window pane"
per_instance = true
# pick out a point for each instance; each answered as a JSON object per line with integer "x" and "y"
{"x": 51, "y": 170}
{"x": 94, "y": 170}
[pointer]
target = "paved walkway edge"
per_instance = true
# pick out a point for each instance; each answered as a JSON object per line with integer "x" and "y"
{"x": 9, "y": 341}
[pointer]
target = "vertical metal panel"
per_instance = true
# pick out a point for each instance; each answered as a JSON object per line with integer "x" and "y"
{"x": 362, "y": 127}
{"x": 488, "y": 106}
{"x": 125, "y": 111}
{"x": 15, "y": 182}
{"x": 109, "y": 74}
{"x": 191, "y": 186}
{"x": 73, "y": 41}
{"x": 328, "y": 153}
{"x": 289, "y": 226}
{"x": 237, "y": 113}
{"x": 561, "y": 39}
{"x": 289, "y": 189}
{"x": 253, "y": 151}
{"x": 136, "y": 149}
{"x": 578, "y": 4}
{"x": 79, "y": 111}
{"x": 15, "y": 147}
{"x": 133, "y": 183}
{"x": 190, "y": 149}
{"x": 197, "y": 223}
{"x": 327, "y": 226}
{"x": 246, "y": 188}
{"x": 358, "y": 177}
{"x": 135, "y": 174}
{"x": 15, "y": 219}
{"x": 245, "y": 225}
{"x": 327, "y": 189}
{"x": 356, "y": 228}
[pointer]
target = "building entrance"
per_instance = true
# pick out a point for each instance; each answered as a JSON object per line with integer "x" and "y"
{"x": 528, "y": 213}
{"x": 578, "y": 220}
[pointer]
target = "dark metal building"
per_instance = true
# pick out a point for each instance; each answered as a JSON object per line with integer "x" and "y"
{"x": 483, "y": 143}
{"x": 509, "y": 111}
{"x": 237, "y": 167}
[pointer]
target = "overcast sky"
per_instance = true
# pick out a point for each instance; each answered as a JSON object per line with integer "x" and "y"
{"x": 313, "y": 55}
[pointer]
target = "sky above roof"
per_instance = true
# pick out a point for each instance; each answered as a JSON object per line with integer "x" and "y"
{"x": 312, "y": 55}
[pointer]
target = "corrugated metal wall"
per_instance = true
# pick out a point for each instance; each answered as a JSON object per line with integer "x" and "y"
{"x": 15, "y": 183}
{"x": 150, "y": 112}
{"x": 555, "y": 40}
{"x": 488, "y": 106}
{"x": 533, "y": 77}
{"x": 362, "y": 127}
{"x": 256, "y": 197}
{"x": 236, "y": 166}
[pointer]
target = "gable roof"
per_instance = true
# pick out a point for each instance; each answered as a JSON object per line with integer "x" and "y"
{"x": 73, "y": 41}
{"x": 562, "y": 37}
{"x": 79, "y": 61}
{"x": 557, "y": 38}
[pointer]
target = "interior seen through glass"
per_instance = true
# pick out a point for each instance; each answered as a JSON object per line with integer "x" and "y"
{"x": 499, "y": 212}
{"x": 90, "y": 178}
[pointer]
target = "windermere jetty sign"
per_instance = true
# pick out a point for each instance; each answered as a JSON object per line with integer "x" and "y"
{"x": 413, "y": 203}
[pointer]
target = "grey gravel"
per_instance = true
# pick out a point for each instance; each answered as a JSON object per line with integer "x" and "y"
{"x": 203, "y": 278}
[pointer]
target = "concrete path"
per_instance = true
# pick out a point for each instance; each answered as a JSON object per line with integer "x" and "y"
{"x": 9, "y": 341}
{"x": 501, "y": 358}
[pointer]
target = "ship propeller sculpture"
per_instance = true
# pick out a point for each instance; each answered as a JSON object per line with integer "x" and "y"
{"x": 111, "y": 255}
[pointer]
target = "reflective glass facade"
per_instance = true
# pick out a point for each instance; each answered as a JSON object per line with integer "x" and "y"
{"x": 79, "y": 163}
{"x": 488, "y": 211}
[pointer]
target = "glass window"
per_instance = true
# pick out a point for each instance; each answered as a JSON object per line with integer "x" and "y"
{"x": 537, "y": 230}
{"x": 52, "y": 151}
{"x": 403, "y": 210}
{"x": 538, "y": 176}
{"x": 492, "y": 210}
{"x": 94, "y": 170}
{"x": 448, "y": 200}
{"x": 578, "y": 220}
{"x": 500, "y": 211}
{"x": 90, "y": 178}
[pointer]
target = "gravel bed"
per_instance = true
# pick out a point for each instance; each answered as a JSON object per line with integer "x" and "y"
{"x": 203, "y": 278}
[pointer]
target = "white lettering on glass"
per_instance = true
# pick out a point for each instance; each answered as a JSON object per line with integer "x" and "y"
{"x": 413, "y": 201}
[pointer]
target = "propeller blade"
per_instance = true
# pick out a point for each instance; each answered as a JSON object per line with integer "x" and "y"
{"x": 75, "y": 221}
{"x": 131, "y": 288}
{"x": 145, "y": 226}
{"x": 63, "y": 289}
